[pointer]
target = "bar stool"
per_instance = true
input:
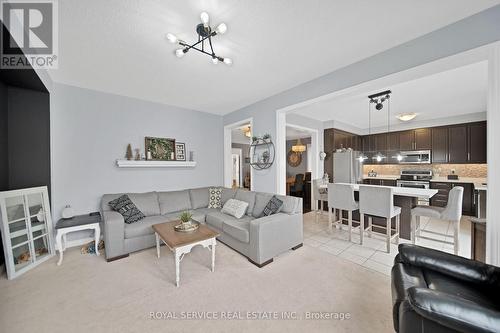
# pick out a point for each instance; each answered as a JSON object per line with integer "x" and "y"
{"x": 379, "y": 201}
{"x": 452, "y": 212}
{"x": 320, "y": 194}
{"x": 341, "y": 197}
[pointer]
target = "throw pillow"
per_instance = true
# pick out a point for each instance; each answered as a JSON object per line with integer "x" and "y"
{"x": 127, "y": 209}
{"x": 214, "y": 197}
{"x": 235, "y": 208}
{"x": 273, "y": 206}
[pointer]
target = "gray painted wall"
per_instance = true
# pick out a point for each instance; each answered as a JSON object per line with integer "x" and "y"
{"x": 90, "y": 130}
{"x": 4, "y": 164}
{"x": 469, "y": 33}
{"x": 28, "y": 138}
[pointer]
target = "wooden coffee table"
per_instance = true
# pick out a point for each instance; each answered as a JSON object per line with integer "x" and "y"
{"x": 181, "y": 243}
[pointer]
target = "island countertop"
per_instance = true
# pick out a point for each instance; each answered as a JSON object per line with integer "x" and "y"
{"x": 404, "y": 191}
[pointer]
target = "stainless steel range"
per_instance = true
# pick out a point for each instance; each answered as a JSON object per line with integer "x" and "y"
{"x": 416, "y": 179}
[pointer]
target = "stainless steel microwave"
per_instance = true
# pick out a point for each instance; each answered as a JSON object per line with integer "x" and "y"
{"x": 415, "y": 157}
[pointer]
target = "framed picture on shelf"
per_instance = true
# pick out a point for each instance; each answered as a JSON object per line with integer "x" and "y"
{"x": 180, "y": 151}
{"x": 160, "y": 149}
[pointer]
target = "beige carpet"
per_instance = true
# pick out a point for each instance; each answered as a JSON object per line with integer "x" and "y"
{"x": 86, "y": 294}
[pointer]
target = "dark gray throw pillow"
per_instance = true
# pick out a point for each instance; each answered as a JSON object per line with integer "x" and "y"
{"x": 273, "y": 206}
{"x": 127, "y": 209}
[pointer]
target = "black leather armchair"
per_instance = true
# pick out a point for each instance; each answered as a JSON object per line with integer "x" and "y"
{"x": 434, "y": 291}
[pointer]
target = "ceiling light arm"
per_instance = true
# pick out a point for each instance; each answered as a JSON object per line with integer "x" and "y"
{"x": 207, "y": 53}
{"x": 182, "y": 43}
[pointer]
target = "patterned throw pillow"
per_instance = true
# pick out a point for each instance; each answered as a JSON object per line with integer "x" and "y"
{"x": 273, "y": 206}
{"x": 127, "y": 209}
{"x": 235, "y": 208}
{"x": 215, "y": 197}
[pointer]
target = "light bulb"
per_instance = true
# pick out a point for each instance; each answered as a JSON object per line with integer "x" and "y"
{"x": 215, "y": 60}
{"x": 204, "y": 18}
{"x": 228, "y": 61}
{"x": 379, "y": 158}
{"x": 172, "y": 38}
{"x": 180, "y": 53}
{"x": 221, "y": 28}
{"x": 400, "y": 157}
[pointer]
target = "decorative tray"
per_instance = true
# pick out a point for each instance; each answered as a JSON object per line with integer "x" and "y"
{"x": 187, "y": 227}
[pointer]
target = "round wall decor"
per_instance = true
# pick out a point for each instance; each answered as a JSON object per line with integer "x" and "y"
{"x": 294, "y": 159}
{"x": 262, "y": 153}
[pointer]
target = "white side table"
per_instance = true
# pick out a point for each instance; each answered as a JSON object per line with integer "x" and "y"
{"x": 77, "y": 223}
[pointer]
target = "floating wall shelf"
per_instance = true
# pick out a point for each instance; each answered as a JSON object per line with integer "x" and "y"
{"x": 154, "y": 164}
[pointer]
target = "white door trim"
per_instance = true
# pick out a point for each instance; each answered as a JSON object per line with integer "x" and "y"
{"x": 228, "y": 152}
{"x": 493, "y": 140}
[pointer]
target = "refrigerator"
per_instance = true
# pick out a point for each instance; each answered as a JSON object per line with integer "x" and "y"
{"x": 347, "y": 167}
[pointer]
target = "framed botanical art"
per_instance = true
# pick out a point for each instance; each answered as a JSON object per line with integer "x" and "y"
{"x": 180, "y": 151}
{"x": 160, "y": 149}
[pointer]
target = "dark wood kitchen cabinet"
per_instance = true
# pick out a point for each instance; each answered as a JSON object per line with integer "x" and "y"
{"x": 457, "y": 144}
{"x": 380, "y": 142}
{"x": 423, "y": 139}
{"x": 440, "y": 145}
{"x": 406, "y": 140}
{"x": 477, "y": 143}
{"x": 393, "y": 141}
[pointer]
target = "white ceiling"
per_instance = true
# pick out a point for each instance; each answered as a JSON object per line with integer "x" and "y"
{"x": 119, "y": 46}
{"x": 293, "y": 133}
{"x": 452, "y": 93}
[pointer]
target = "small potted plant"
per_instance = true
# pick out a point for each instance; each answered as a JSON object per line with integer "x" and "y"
{"x": 266, "y": 137}
{"x": 185, "y": 217}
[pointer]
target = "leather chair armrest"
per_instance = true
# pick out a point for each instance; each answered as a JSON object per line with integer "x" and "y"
{"x": 451, "y": 265}
{"x": 452, "y": 311}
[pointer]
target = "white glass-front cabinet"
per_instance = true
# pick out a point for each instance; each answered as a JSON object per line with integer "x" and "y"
{"x": 26, "y": 229}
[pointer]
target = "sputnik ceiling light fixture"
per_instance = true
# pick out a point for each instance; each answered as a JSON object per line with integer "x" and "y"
{"x": 205, "y": 33}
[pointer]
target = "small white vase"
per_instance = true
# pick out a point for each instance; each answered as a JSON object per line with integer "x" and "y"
{"x": 68, "y": 212}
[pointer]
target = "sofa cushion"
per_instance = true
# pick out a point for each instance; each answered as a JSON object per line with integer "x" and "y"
{"x": 174, "y": 201}
{"x": 273, "y": 207}
{"x": 147, "y": 202}
{"x": 289, "y": 204}
{"x": 214, "y": 197}
{"x": 199, "y": 197}
{"x": 227, "y": 193}
{"x": 235, "y": 208}
{"x": 238, "y": 228}
{"x": 144, "y": 227}
{"x": 248, "y": 197}
{"x": 200, "y": 214}
{"x": 127, "y": 209}
{"x": 261, "y": 200}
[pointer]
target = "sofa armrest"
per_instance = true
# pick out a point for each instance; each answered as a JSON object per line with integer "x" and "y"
{"x": 451, "y": 265}
{"x": 114, "y": 234}
{"x": 452, "y": 311}
{"x": 274, "y": 234}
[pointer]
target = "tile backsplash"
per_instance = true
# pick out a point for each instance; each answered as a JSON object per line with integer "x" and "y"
{"x": 438, "y": 170}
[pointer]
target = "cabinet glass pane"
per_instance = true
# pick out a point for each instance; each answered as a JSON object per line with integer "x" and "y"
{"x": 17, "y": 239}
{"x": 22, "y": 256}
{"x": 41, "y": 247}
{"x": 35, "y": 204}
{"x": 15, "y": 208}
{"x": 17, "y": 228}
{"x": 37, "y": 225}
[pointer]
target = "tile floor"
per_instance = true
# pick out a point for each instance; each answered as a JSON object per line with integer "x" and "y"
{"x": 372, "y": 254}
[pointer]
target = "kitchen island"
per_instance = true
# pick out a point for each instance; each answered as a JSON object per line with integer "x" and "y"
{"x": 404, "y": 197}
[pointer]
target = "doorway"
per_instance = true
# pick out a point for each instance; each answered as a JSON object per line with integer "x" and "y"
{"x": 237, "y": 170}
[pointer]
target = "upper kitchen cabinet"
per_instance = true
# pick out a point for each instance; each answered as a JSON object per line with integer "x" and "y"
{"x": 440, "y": 145}
{"x": 393, "y": 141}
{"x": 457, "y": 144}
{"x": 423, "y": 139}
{"x": 477, "y": 143}
{"x": 406, "y": 140}
{"x": 380, "y": 141}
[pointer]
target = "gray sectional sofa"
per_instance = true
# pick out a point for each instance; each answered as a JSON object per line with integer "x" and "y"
{"x": 259, "y": 239}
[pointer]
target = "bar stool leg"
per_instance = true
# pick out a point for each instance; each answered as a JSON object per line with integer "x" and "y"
{"x": 417, "y": 234}
{"x": 340, "y": 220}
{"x": 361, "y": 228}
{"x": 349, "y": 217}
{"x": 388, "y": 234}
{"x": 370, "y": 226}
{"x": 321, "y": 211}
{"x": 398, "y": 221}
{"x": 456, "y": 236}
{"x": 330, "y": 217}
{"x": 413, "y": 229}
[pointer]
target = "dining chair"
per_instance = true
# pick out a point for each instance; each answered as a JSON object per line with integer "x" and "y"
{"x": 378, "y": 201}
{"x": 298, "y": 187}
{"x": 341, "y": 197}
{"x": 452, "y": 212}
